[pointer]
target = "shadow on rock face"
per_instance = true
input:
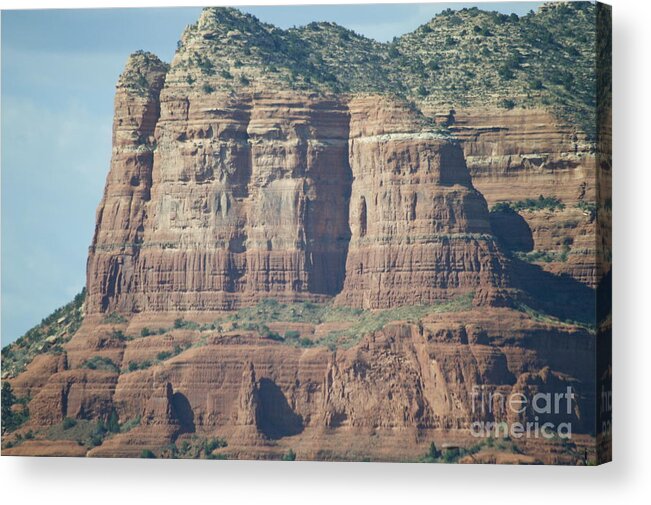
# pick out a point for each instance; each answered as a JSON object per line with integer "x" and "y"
{"x": 183, "y": 412}
{"x": 276, "y": 419}
{"x": 512, "y": 230}
{"x": 558, "y": 295}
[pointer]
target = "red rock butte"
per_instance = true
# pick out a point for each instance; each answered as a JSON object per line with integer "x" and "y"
{"x": 229, "y": 215}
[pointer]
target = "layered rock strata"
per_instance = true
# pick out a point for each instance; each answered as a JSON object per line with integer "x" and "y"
{"x": 519, "y": 154}
{"x": 114, "y": 253}
{"x": 408, "y": 384}
{"x": 231, "y": 199}
{"x": 420, "y": 230}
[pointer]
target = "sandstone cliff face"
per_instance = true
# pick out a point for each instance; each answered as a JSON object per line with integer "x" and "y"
{"x": 82, "y": 394}
{"x": 114, "y": 253}
{"x": 267, "y": 212}
{"x": 283, "y": 195}
{"x": 420, "y": 231}
{"x": 248, "y": 200}
{"x": 517, "y": 154}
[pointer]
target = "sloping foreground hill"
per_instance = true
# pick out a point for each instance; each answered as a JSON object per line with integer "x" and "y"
{"x": 46, "y": 337}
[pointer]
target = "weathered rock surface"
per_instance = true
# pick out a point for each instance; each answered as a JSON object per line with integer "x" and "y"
{"x": 517, "y": 154}
{"x": 420, "y": 231}
{"x": 258, "y": 195}
{"x": 113, "y": 257}
{"x": 408, "y": 384}
{"x": 78, "y": 393}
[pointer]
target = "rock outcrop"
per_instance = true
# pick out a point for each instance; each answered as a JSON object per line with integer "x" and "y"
{"x": 420, "y": 230}
{"x": 407, "y": 384}
{"x": 283, "y": 195}
{"x": 514, "y": 155}
{"x": 114, "y": 253}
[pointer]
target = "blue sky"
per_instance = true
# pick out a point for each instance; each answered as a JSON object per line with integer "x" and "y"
{"x": 59, "y": 69}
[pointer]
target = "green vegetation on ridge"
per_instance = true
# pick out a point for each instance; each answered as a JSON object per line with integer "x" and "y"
{"x": 531, "y": 204}
{"x": 459, "y": 58}
{"x": 360, "y": 322}
{"x": 46, "y": 337}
